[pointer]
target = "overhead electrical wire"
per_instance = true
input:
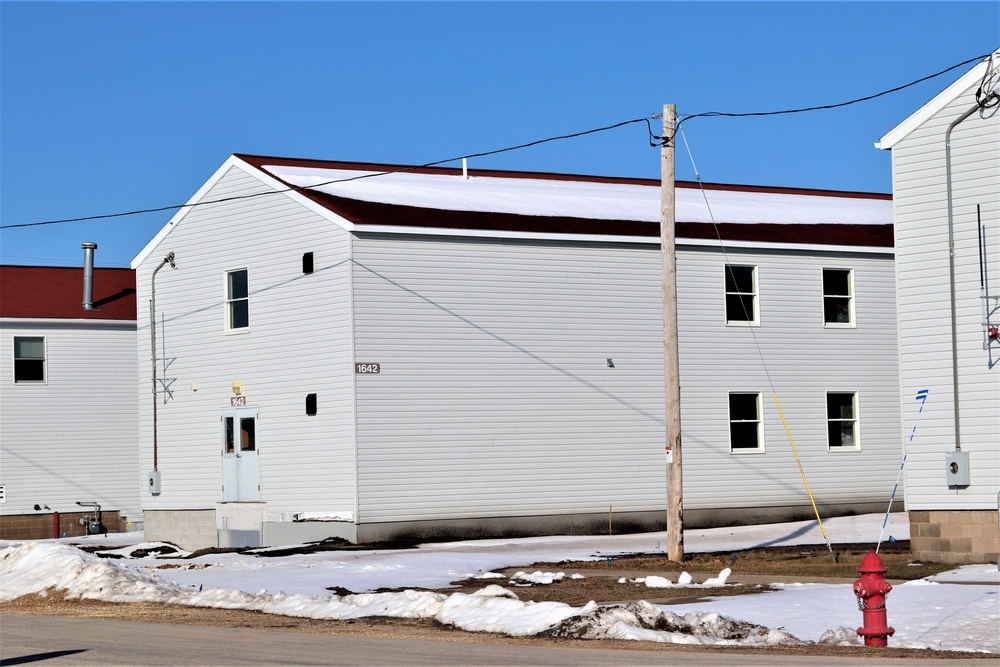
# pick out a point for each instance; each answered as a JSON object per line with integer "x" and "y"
{"x": 823, "y": 107}
{"x": 654, "y": 141}
{"x": 174, "y": 207}
{"x": 760, "y": 353}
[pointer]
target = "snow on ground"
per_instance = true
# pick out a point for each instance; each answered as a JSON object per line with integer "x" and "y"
{"x": 943, "y": 612}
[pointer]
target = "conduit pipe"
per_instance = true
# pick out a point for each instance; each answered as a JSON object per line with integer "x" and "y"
{"x": 169, "y": 259}
{"x": 951, "y": 272}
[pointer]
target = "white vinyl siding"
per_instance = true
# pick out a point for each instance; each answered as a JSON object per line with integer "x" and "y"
{"x": 495, "y": 397}
{"x": 292, "y": 350}
{"x": 921, "y": 224}
{"x": 71, "y": 439}
{"x": 803, "y": 359}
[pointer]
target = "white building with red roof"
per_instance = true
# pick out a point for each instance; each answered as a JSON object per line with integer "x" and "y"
{"x": 68, "y": 402}
{"x": 370, "y": 351}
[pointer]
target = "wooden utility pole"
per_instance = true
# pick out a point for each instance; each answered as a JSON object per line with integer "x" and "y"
{"x": 671, "y": 365}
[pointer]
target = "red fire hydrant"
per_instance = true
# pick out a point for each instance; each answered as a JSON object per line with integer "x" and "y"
{"x": 871, "y": 590}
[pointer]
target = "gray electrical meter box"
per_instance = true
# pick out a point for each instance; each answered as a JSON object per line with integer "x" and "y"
{"x": 957, "y": 468}
{"x": 154, "y": 483}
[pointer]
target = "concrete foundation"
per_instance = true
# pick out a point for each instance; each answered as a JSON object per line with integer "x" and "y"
{"x": 279, "y": 533}
{"x": 244, "y": 525}
{"x": 188, "y": 529}
{"x": 949, "y": 536}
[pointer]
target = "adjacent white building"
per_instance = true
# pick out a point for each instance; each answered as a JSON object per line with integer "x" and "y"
{"x": 946, "y": 188}
{"x": 418, "y": 353}
{"x": 68, "y": 404}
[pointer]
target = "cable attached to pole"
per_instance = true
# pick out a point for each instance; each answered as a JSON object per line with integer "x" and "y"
{"x": 922, "y": 397}
{"x": 760, "y": 354}
{"x": 804, "y": 480}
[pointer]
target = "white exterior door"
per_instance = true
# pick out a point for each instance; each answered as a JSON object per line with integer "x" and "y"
{"x": 240, "y": 464}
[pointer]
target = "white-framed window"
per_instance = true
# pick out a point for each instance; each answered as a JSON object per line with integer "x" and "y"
{"x": 741, "y": 295}
{"x": 745, "y": 432}
{"x": 838, "y": 297}
{"x": 29, "y": 359}
{"x": 842, "y": 420}
{"x": 237, "y": 300}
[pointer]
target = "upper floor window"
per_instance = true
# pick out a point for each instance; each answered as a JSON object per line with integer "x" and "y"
{"x": 842, "y": 420}
{"x": 744, "y": 423}
{"x": 29, "y": 359}
{"x": 741, "y": 294}
{"x": 838, "y": 296}
{"x": 237, "y": 300}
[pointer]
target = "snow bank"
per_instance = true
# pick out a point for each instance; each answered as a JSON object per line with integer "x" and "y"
{"x": 644, "y": 621}
{"x": 35, "y": 568}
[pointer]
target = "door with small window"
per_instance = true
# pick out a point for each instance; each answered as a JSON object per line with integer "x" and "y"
{"x": 240, "y": 463}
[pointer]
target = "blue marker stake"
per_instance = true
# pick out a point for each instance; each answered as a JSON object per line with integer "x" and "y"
{"x": 922, "y": 397}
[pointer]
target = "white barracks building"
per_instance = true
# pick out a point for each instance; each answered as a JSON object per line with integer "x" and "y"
{"x": 424, "y": 354}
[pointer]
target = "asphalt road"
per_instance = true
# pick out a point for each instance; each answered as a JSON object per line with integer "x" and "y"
{"x": 59, "y": 641}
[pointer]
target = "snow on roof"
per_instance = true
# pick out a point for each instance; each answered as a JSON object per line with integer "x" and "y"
{"x": 56, "y": 292}
{"x": 430, "y": 200}
{"x": 588, "y": 199}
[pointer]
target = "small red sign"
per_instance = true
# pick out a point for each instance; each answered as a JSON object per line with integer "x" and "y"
{"x": 238, "y": 401}
{"x": 367, "y": 369}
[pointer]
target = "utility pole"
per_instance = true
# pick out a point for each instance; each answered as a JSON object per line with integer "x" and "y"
{"x": 671, "y": 364}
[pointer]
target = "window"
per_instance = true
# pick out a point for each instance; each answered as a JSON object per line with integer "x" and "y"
{"x": 237, "y": 300}
{"x": 744, "y": 423}
{"x": 247, "y": 435}
{"x": 741, "y": 294}
{"x": 842, "y": 420}
{"x": 29, "y": 359}
{"x": 838, "y": 296}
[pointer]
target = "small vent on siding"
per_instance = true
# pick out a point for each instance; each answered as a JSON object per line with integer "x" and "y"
{"x": 3, "y": 494}
{"x": 310, "y": 404}
{"x": 307, "y": 263}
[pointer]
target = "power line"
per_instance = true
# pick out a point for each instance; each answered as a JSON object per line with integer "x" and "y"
{"x": 824, "y": 106}
{"x": 654, "y": 141}
{"x": 173, "y": 207}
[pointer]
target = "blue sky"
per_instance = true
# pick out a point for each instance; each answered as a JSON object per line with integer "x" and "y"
{"x": 112, "y": 107}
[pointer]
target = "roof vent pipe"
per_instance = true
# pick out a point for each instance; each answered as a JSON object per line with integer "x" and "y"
{"x": 465, "y": 168}
{"x": 88, "y": 275}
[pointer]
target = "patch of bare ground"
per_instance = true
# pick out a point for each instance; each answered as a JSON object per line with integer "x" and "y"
{"x": 781, "y": 563}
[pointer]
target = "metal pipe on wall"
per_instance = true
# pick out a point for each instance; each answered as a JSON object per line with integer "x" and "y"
{"x": 169, "y": 259}
{"x": 951, "y": 272}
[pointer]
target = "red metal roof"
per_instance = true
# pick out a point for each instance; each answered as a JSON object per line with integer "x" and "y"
{"x": 260, "y": 160}
{"x": 374, "y": 213}
{"x": 56, "y": 292}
